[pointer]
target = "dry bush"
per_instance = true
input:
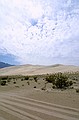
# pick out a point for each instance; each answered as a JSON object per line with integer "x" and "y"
{"x": 59, "y": 80}
{"x": 28, "y": 82}
{"x": 26, "y": 77}
{"x": 3, "y": 82}
{"x": 77, "y": 90}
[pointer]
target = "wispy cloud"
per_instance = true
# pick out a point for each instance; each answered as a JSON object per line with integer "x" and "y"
{"x": 40, "y": 31}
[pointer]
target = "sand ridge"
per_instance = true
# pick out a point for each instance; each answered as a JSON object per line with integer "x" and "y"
{"x": 37, "y": 69}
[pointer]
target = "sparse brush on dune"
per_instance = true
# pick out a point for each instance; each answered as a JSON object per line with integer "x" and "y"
{"x": 59, "y": 80}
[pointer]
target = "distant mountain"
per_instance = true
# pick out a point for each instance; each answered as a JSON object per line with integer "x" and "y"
{"x": 2, "y": 65}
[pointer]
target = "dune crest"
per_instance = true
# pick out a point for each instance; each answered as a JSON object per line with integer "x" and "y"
{"x": 37, "y": 69}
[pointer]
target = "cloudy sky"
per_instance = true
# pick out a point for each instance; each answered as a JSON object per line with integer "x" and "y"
{"x": 39, "y": 31}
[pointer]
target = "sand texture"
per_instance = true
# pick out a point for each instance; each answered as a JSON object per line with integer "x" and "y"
{"x": 18, "y": 106}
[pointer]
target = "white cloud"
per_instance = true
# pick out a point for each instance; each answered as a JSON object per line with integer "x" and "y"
{"x": 39, "y": 31}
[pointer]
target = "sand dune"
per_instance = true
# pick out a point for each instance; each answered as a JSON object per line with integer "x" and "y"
{"x": 37, "y": 69}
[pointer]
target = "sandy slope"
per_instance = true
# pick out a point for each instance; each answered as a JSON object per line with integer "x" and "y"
{"x": 17, "y": 106}
{"x": 37, "y": 69}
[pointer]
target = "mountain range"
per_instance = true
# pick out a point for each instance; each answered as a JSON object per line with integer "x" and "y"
{"x": 2, "y": 65}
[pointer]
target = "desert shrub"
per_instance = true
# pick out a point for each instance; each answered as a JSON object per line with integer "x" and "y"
{"x": 14, "y": 82}
{"x": 71, "y": 87}
{"x": 3, "y": 82}
{"x": 75, "y": 78}
{"x": 34, "y": 86}
{"x": 70, "y": 83}
{"x": 35, "y": 78}
{"x": 4, "y": 77}
{"x": 28, "y": 82}
{"x": 26, "y": 77}
{"x": 77, "y": 90}
{"x": 74, "y": 82}
{"x": 53, "y": 87}
{"x": 59, "y": 80}
{"x": 22, "y": 79}
{"x": 51, "y": 78}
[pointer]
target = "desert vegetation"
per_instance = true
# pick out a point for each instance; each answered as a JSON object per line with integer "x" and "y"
{"x": 35, "y": 78}
{"x": 77, "y": 90}
{"x": 57, "y": 80}
{"x": 26, "y": 77}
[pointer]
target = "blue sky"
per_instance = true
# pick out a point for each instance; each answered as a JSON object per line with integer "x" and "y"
{"x": 39, "y": 31}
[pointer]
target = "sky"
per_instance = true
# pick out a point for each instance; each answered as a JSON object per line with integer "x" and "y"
{"x": 41, "y": 32}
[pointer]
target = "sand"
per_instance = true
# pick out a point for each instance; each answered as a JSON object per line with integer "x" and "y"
{"x": 21, "y": 101}
{"x": 29, "y": 103}
{"x": 37, "y": 69}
